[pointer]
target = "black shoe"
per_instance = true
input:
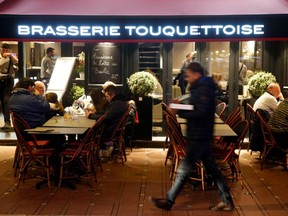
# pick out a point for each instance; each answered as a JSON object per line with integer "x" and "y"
{"x": 7, "y": 126}
{"x": 221, "y": 206}
{"x": 161, "y": 203}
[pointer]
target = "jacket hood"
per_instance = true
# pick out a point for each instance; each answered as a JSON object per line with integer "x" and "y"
{"x": 21, "y": 91}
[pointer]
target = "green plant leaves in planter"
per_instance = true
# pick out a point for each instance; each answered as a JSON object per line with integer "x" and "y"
{"x": 259, "y": 82}
{"x": 141, "y": 83}
{"x": 75, "y": 93}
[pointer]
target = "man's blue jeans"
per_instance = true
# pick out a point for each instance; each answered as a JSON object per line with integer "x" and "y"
{"x": 198, "y": 150}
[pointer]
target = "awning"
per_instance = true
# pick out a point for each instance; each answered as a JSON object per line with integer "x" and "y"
{"x": 143, "y": 7}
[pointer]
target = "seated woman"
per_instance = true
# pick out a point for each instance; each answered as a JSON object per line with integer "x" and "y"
{"x": 99, "y": 102}
{"x": 56, "y": 108}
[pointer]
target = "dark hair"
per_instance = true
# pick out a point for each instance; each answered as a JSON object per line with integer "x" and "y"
{"x": 196, "y": 67}
{"x": 51, "y": 97}
{"x": 111, "y": 90}
{"x": 99, "y": 101}
{"x": 5, "y": 46}
{"x": 25, "y": 83}
{"x": 50, "y": 49}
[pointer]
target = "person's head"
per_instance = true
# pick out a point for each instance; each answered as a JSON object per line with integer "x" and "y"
{"x": 5, "y": 48}
{"x": 97, "y": 96}
{"x": 274, "y": 89}
{"x": 107, "y": 83}
{"x": 26, "y": 83}
{"x": 110, "y": 92}
{"x": 50, "y": 51}
{"x": 51, "y": 97}
{"x": 40, "y": 86}
{"x": 194, "y": 71}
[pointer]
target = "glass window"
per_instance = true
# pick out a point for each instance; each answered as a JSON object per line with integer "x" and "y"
{"x": 251, "y": 54}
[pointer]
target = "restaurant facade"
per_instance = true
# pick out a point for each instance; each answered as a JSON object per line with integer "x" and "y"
{"x": 120, "y": 39}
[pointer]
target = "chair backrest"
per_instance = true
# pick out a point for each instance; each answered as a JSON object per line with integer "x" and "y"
{"x": 240, "y": 129}
{"x": 266, "y": 132}
{"x": 175, "y": 134}
{"x": 251, "y": 113}
{"x": 234, "y": 114}
{"x": 220, "y": 109}
{"x": 119, "y": 130}
{"x": 91, "y": 137}
{"x": 167, "y": 109}
{"x": 19, "y": 126}
{"x": 264, "y": 113}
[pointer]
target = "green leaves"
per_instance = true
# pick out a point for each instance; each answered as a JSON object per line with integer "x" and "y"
{"x": 142, "y": 83}
{"x": 259, "y": 82}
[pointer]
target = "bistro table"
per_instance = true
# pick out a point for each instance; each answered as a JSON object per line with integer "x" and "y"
{"x": 217, "y": 120}
{"x": 57, "y": 130}
{"x": 60, "y": 121}
{"x": 219, "y": 130}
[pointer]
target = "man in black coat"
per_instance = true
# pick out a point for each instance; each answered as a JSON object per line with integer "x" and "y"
{"x": 200, "y": 121}
{"x": 116, "y": 109}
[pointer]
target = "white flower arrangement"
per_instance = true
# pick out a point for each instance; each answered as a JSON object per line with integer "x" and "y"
{"x": 259, "y": 82}
{"x": 142, "y": 83}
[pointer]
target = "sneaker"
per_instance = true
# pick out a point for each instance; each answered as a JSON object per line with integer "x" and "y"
{"x": 161, "y": 203}
{"x": 7, "y": 126}
{"x": 221, "y": 206}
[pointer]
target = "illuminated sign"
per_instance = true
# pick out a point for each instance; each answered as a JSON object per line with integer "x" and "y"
{"x": 140, "y": 31}
{"x": 137, "y": 28}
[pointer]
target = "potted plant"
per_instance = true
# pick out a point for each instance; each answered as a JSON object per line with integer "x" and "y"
{"x": 259, "y": 82}
{"x": 80, "y": 68}
{"x": 141, "y": 85}
{"x": 75, "y": 93}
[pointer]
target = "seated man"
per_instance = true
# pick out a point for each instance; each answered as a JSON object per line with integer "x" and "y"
{"x": 278, "y": 123}
{"x": 270, "y": 99}
{"x": 40, "y": 87}
{"x": 29, "y": 103}
{"x": 116, "y": 109}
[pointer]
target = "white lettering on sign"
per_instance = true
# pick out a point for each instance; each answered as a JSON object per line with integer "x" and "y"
{"x": 143, "y": 31}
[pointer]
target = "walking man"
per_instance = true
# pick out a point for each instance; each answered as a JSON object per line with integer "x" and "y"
{"x": 200, "y": 123}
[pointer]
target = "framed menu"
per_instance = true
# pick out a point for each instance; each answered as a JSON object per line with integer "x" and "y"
{"x": 106, "y": 63}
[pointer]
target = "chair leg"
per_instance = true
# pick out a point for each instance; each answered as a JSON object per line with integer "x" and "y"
{"x": 48, "y": 171}
{"x": 166, "y": 141}
{"x": 61, "y": 171}
{"x": 169, "y": 153}
{"x": 202, "y": 175}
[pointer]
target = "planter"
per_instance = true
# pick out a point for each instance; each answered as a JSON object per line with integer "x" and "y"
{"x": 143, "y": 130}
{"x": 82, "y": 75}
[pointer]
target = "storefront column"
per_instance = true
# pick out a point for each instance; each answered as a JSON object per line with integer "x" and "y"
{"x": 233, "y": 76}
{"x": 21, "y": 60}
{"x": 166, "y": 79}
{"x": 201, "y": 49}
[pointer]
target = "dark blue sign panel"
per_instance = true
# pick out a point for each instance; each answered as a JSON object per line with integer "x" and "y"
{"x": 95, "y": 28}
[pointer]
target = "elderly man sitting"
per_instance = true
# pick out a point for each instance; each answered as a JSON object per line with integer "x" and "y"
{"x": 270, "y": 99}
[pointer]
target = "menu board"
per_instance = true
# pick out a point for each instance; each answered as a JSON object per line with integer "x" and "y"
{"x": 106, "y": 63}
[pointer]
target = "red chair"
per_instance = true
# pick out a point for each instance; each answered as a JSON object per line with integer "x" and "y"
{"x": 118, "y": 137}
{"x": 270, "y": 143}
{"x": 220, "y": 109}
{"x": 251, "y": 117}
{"x": 82, "y": 153}
{"x": 31, "y": 150}
{"x": 228, "y": 154}
{"x": 178, "y": 144}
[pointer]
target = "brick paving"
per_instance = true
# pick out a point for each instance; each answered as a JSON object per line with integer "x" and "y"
{"x": 123, "y": 190}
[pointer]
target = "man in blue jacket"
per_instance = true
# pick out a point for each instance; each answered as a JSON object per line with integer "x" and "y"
{"x": 200, "y": 123}
{"x": 28, "y": 103}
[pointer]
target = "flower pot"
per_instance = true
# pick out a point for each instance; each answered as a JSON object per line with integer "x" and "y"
{"x": 143, "y": 130}
{"x": 82, "y": 75}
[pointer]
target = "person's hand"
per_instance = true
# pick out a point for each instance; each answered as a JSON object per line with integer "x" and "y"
{"x": 5, "y": 55}
{"x": 87, "y": 112}
{"x": 176, "y": 101}
{"x": 280, "y": 97}
{"x": 36, "y": 92}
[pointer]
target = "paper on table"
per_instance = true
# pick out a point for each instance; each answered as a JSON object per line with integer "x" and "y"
{"x": 181, "y": 106}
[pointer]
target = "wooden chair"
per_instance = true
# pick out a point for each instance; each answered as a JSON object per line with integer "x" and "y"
{"x": 220, "y": 109}
{"x": 270, "y": 143}
{"x": 251, "y": 117}
{"x": 228, "y": 155}
{"x": 31, "y": 151}
{"x": 82, "y": 154}
{"x": 179, "y": 149}
{"x": 117, "y": 137}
